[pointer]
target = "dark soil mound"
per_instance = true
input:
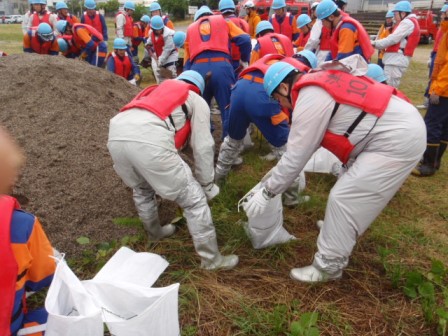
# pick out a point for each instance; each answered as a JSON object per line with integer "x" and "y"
{"x": 58, "y": 110}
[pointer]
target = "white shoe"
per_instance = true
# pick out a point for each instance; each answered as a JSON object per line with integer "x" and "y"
{"x": 224, "y": 263}
{"x": 300, "y": 200}
{"x": 211, "y": 192}
{"x": 238, "y": 160}
{"x": 164, "y": 232}
{"x": 311, "y": 274}
{"x": 269, "y": 157}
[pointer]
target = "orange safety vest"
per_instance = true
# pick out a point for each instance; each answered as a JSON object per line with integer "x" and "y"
{"x": 8, "y": 275}
{"x": 95, "y": 22}
{"x": 302, "y": 40}
{"x": 123, "y": 66}
{"x": 241, "y": 23}
{"x": 93, "y": 32}
{"x": 127, "y": 29}
{"x": 158, "y": 43}
{"x": 363, "y": 38}
{"x": 361, "y": 92}
{"x": 269, "y": 46}
{"x": 159, "y": 100}
{"x": 140, "y": 33}
{"x": 37, "y": 20}
{"x": 413, "y": 40}
{"x": 40, "y": 47}
{"x": 219, "y": 36}
{"x": 285, "y": 28}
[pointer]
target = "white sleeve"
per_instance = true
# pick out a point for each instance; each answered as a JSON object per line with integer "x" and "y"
{"x": 25, "y": 21}
{"x": 404, "y": 29}
{"x": 30, "y": 21}
{"x": 168, "y": 48}
{"x": 53, "y": 20}
{"x": 314, "y": 39}
{"x": 201, "y": 140}
{"x": 121, "y": 20}
{"x": 310, "y": 120}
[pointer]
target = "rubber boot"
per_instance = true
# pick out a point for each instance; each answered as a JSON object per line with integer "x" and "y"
{"x": 211, "y": 258}
{"x": 427, "y": 167}
{"x": 156, "y": 231}
{"x": 312, "y": 274}
{"x": 440, "y": 153}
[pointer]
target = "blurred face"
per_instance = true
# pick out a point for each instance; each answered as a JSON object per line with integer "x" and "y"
{"x": 157, "y": 32}
{"x": 279, "y": 12}
{"x": 120, "y": 52}
{"x": 389, "y": 20}
{"x": 130, "y": 12}
{"x": 37, "y": 8}
{"x": 281, "y": 95}
{"x": 91, "y": 12}
{"x": 156, "y": 12}
{"x": 443, "y": 16}
{"x": 304, "y": 29}
{"x": 397, "y": 16}
{"x": 327, "y": 22}
{"x": 11, "y": 160}
{"x": 313, "y": 13}
{"x": 64, "y": 12}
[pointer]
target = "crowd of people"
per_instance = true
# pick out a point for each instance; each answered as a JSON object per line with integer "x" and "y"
{"x": 303, "y": 81}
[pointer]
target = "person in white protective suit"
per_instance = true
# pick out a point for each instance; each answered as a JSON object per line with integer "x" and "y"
{"x": 400, "y": 44}
{"x": 379, "y": 136}
{"x": 144, "y": 140}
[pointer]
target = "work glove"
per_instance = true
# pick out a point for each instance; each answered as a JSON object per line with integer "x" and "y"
{"x": 137, "y": 77}
{"x": 373, "y": 43}
{"x": 211, "y": 190}
{"x": 434, "y": 99}
{"x": 244, "y": 65}
{"x": 257, "y": 204}
{"x": 429, "y": 63}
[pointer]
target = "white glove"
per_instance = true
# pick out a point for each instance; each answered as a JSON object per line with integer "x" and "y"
{"x": 159, "y": 64}
{"x": 373, "y": 43}
{"x": 434, "y": 99}
{"x": 257, "y": 204}
{"x": 211, "y": 190}
{"x": 429, "y": 63}
{"x": 244, "y": 65}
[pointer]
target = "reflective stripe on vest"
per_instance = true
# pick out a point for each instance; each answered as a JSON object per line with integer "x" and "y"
{"x": 8, "y": 275}
{"x": 413, "y": 40}
{"x": 268, "y": 45}
{"x": 285, "y": 28}
{"x": 123, "y": 65}
{"x": 95, "y": 23}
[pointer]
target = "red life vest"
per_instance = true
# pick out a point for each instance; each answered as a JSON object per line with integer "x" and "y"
{"x": 95, "y": 22}
{"x": 244, "y": 26}
{"x": 263, "y": 64}
{"x": 219, "y": 36}
{"x": 68, "y": 18}
{"x": 8, "y": 275}
{"x": 72, "y": 47}
{"x": 325, "y": 39}
{"x": 158, "y": 42}
{"x": 39, "y": 47}
{"x": 37, "y": 20}
{"x": 140, "y": 33}
{"x": 361, "y": 92}
{"x": 302, "y": 40}
{"x": 363, "y": 38}
{"x": 269, "y": 46}
{"x": 285, "y": 28}
{"x": 413, "y": 39}
{"x": 160, "y": 100}
{"x": 128, "y": 25}
{"x": 93, "y": 32}
{"x": 123, "y": 66}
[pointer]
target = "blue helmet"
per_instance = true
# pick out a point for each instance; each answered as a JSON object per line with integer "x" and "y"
{"x": 310, "y": 56}
{"x": 61, "y": 26}
{"x": 276, "y": 73}
{"x": 90, "y": 4}
{"x": 389, "y": 14}
{"x": 376, "y": 72}
{"x": 402, "y": 6}
{"x": 61, "y": 5}
{"x": 226, "y": 5}
{"x": 202, "y": 11}
{"x": 179, "y": 39}
{"x": 154, "y": 6}
{"x": 444, "y": 9}
{"x": 193, "y": 77}
{"x": 262, "y": 26}
{"x": 45, "y": 32}
{"x": 157, "y": 23}
{"x": 145, "y": 19}
{"x": 277, "y": 4}
{"x": 119, "y": 43}
{"x": 303, "y": 20}
{"x": 129, "y": 5}
{"x": 325, "y": 9}
{"x": 42, "y": 2}
{"x": 63, "y": 46}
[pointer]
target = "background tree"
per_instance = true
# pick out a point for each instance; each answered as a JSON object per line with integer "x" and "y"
{"x": 175, "y": 8}
{"x": 140, "y": 10}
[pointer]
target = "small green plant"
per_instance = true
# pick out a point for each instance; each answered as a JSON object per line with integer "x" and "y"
{"x": 306, "y": 325}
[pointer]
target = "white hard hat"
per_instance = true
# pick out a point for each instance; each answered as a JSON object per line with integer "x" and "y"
{"x": 249, "y": 4}
{"x": 314, "y": 4}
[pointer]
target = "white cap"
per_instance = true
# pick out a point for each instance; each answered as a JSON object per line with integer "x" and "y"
{"x": 314, "y": 4}
{"x": 249, "y": 4}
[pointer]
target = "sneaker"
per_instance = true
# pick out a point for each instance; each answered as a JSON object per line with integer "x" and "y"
{"x": 311, "y": 274}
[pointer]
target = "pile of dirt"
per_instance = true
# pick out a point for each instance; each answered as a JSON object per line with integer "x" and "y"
{"x": 59, "y": 109}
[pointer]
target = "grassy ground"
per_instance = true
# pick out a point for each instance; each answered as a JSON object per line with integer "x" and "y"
{"x": 396, "y": 283}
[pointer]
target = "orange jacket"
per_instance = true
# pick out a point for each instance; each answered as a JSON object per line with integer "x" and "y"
{"x": 439, "y": 77}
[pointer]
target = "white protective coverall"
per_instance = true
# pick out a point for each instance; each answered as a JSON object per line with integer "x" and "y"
{"x": 395, "y": 63}
{"x": 25, "y": 21}
{"x": 144, "y": 155}
{"x": 314, "y": 42}
{"x": 120, "y": 21}
{"x": 169, "y": 55}
{"x": 386, "y": 151}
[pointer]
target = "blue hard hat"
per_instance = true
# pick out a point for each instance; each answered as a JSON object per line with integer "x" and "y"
{"x": 193, "y": 77}
{"x": 129, "y": 5}
{"x": 145, "y": 19}
{"x": 389, "y": 14}
{"x": 202, "y": 11}
{"x": 179, "y": 39}
{"x": 277, "y": 4}
{"x": 119, "y": 43}
{"x": 90, "y": 4}
{"x": 45, "y": 32}
{"x": 63, "y": 46}
{"x": 325, "y": 9}
{"x": 61, "y": 26}
{"x": 154, "y": 6}
{"x": 61, "y": 5}
{"x": 42, "y": 2}
{"x": 444, "y": 9}
{"x": 157, "y": 23}
{"x": 226, "y": 5}
{"x": 310, "y": 56}
{"x": 262, "y": 26}
{"x": 402, "y": 6}
{"x": 303, "y": 20}
{"x": 276, "y": 73}
{"x": 376, "y": 72}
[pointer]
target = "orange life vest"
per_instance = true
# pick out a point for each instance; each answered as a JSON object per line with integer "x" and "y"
{"x": 363, "y": 38}
{"x": 262, "y": 64}
{"x": 302, "y": 40}
{"x": 123, "y": 66}
{"x": 160, "y": 100}
{"x": 285, "y": 28}
{"x": 413, "y": 40}
{"x": 37, "y": 20}
{"x": 8, "y": 275}
{"x": 361, "y": 92}
{"x": 95, "y": 23}
{"x": 127, "y": 29}
{"x": 93, "y": 32}
{"x": 68, "y": 18}
{"x": 140, "y": 33}
{"x": 219, "y": 36}
{"x": 269, "y": 46}
{"x": 244, "y": 26}
{"x": 158, "y": 42}
{"x": 40, "y": 47}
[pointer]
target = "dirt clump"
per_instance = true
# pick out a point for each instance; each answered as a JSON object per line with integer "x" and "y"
{"x": 59, "y": 109}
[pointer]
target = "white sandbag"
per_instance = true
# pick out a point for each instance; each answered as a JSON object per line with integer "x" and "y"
{"x": 132, "y": 310}
{"x": 267, "y": 229}
{"x": 323, "y": 161}
{"x": 71, "y": 309}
